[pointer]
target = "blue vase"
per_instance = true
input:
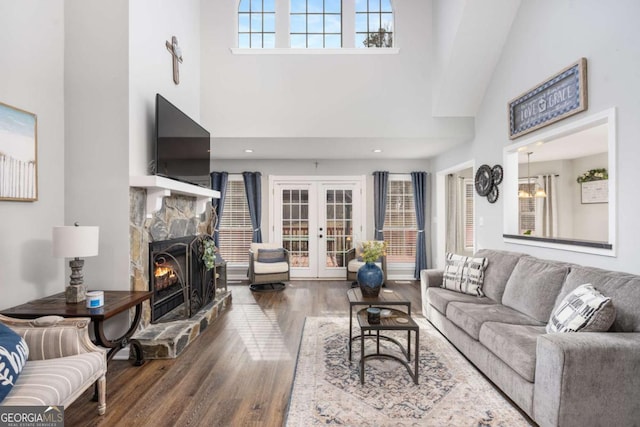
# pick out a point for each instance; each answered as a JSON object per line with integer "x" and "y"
{"x": 370, "y": 279}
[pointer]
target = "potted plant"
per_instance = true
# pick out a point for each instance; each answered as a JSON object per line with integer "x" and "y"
{"x": 370, "y": 276}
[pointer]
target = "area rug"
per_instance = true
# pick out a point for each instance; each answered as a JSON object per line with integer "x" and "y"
{"x": 451, "y": 392}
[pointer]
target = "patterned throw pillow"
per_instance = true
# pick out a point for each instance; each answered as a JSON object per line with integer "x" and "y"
{"x": 464, "y": 274}
{"x": 583, "y": 310}
{"x": 13, "y": 356}
{"x": 271, "y": 255}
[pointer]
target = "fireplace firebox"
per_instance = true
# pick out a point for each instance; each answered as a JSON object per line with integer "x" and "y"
{"x": 180, "y": 283}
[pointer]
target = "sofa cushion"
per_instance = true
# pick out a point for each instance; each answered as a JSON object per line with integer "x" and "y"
{"x": 439, "y": 298}
{"x": 13, "y": 357}
{"x": 54, "y": 381}
{"x": 270, "y": 267}
{"x": 470, "y": 316}
{"x": 583, "y": 310}
{"x": 622, "y": 288}
{"x": 515, "y": 345}
{"x": 271, "y": 255}
{"x": 534, "y": 286}
{"x": 464, "y": 274}
{"x": 499, "y": 268}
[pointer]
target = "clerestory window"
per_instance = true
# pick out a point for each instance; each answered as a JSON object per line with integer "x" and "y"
{"x": 257, "y": 24}
{"x": 374, "y": 23}
{"x": 316, "y": 24}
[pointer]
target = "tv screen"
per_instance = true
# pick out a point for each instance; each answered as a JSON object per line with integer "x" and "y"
{"x": 183, "y": 147}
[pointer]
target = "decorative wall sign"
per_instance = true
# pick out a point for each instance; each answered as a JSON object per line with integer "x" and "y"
{"x": 595, "y": 191}
{"x": 18, "y": 154}
{"x": 561, "y": 96}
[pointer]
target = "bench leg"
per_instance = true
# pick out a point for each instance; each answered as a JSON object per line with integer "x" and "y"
{"x": 102, "y": 395}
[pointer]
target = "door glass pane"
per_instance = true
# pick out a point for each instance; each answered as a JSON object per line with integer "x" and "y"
{"x": 339, "y": 229}
{"x": 295, "y": 232}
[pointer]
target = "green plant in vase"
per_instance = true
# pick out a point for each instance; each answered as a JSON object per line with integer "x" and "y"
{"x": 208, "y": 253}
{"x": 370, "y": 276}
{"x": 372, "y": 250}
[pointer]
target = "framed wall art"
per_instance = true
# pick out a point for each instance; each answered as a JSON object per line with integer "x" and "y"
{"x": 594, "y": 192}
{"x": 560, "y": 96}
{"x": 18, "y": 154}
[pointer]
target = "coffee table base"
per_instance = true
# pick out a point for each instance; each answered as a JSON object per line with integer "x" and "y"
{"x": 379, "y": 355}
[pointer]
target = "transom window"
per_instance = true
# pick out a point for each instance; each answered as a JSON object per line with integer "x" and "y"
{"x": 257, "y": 24}
{"x": 236, "y": 230}
{"x": 374, "y": 23}
{"x": 316, "y": 24}
{"x": 400, "y": 228}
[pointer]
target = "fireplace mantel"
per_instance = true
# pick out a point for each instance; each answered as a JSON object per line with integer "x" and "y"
{"x": 159, "y": 187}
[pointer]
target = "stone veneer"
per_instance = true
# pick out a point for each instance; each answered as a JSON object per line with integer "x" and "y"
{"x": 176, "y": 218}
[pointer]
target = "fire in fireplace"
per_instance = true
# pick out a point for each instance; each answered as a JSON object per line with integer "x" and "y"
{"x": 180, "y": 283}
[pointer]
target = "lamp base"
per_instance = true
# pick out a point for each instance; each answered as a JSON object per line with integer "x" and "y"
{"x": 75, "y": 294}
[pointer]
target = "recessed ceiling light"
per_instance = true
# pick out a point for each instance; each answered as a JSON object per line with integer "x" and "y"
{"x": 248, "y": 150}
{"x": 377, "y": 150}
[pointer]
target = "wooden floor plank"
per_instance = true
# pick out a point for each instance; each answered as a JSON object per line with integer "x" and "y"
{"x": 238, "y": 372}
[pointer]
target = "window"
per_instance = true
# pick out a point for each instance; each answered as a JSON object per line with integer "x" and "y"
{"x": 400, "y": 229}
{"x": 468, "y": 214}
{"x": 527, "y": 209}
{"x": 316, "y": 23}
{"x": 236, "y": 230}
{"x": 256, "y": 24}
{"x": 374, "y": 23}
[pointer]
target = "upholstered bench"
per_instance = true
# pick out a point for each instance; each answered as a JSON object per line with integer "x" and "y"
{"x": 62, "y": 362}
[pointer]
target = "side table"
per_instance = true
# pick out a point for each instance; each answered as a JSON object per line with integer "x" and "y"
{"x": 386, "y": 298}
{"x": 396, "y": 321}
{"x": 115, "y": 302}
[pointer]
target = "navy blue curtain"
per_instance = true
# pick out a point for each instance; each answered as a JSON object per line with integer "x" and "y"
{"x": 253, "y": 189}
{"x": 419, "y": 183}
{"x": 219, "y": 182}
{"x": 380, "y": 184}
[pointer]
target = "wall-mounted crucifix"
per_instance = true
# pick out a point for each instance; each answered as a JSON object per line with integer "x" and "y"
{"x": 176, "y": 53}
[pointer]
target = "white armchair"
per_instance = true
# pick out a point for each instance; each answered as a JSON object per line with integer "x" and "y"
{"x": 268, "y": 267}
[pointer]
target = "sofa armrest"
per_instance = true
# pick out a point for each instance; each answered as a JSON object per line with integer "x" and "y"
{"x": 587, "y": 378}
{"x": 429, "y": 278}
{"x": 51, "y": 337}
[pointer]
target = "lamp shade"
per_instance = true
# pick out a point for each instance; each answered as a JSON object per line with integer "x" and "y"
{"x": 75, "y": 241}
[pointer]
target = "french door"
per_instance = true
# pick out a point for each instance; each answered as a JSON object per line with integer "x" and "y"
{"x": 317, "y": 220}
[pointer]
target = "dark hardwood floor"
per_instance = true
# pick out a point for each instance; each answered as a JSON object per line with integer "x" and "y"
{"x": 239, "y": 372}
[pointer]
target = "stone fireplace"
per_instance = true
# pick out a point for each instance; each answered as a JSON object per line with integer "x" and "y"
{"x": 186, "y": 299}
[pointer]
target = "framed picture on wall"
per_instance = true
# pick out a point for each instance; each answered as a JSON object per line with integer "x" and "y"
{"x": 594, "y": 191}
{"x": 18, "y": 154}
{"x": 558, "y": 97}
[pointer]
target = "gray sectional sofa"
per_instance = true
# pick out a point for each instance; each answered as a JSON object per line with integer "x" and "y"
{"x": 559, "y": 379}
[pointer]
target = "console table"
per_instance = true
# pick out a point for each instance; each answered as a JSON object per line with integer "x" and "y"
{"x": 115, "y": 302}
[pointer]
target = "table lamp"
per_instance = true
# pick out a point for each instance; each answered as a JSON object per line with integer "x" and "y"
{"x": 75, "y": 242}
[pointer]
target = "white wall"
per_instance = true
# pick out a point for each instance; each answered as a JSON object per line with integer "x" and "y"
{"x": 151, "y": 23}
{"x": 96, "y": 133}
{"x": 322, "y": 95}
{"x": 31, "y": 78}
{"x": 547, "y": 36}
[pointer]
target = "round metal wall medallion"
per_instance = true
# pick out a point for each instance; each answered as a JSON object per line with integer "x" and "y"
{"x": 484, "y": 180}
{"x": 492, "y": 197}
{"x": 496, "y": 174}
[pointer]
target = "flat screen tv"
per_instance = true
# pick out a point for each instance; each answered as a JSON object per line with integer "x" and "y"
{"x": 183, "y": 147}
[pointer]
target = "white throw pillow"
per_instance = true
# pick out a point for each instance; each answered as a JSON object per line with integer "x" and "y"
{"x": 464, "y": 274}
{"x": 583, "y": 310}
